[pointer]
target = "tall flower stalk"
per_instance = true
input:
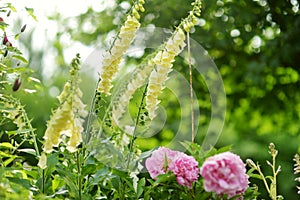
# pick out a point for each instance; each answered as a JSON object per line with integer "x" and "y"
{"x": 113, "y": 56}
{"x": 155, "y": 69}
{"x": 164, "y": 59}
{"x": 68, "y": 118}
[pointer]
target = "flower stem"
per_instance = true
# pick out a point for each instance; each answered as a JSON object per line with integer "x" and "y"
{"x": 135, "y": 126}
{"x": 191, "y": 87}
{"x": 43, "y": 181}
{"x": 79, "y": 175}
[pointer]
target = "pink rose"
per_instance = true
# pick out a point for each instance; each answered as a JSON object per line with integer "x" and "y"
{"x": 224, "y": 173}
{"x": 183, "y": 166}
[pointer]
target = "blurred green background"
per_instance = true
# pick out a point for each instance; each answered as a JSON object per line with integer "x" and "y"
{"x": 255, "y": 45}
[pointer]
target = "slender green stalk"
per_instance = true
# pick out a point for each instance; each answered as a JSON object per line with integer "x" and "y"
{"x": 191, "y": 87}
{"x": 263, "y": 178}
{"x": 79, "y": 183}
{"x": 43, "y": 181}
{"x": 274, "y": 182}
{"x": 135, "y": 127}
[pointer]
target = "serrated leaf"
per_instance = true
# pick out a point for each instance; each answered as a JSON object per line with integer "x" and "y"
{"x": 20, "y": 58}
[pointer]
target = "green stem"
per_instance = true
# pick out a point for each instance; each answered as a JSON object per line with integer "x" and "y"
{"x": 35, "y": 143}
{"x": 135, "y": 127}
{"x": 273, "y": 190}
{"x": 191, "y": 88}
{"x": 263, "y": 178}
{"x": 79, "y": 183}
{"x": 43, "y": 181}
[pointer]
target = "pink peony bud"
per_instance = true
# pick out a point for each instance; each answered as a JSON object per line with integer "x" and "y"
{"x": 225, "y": 173}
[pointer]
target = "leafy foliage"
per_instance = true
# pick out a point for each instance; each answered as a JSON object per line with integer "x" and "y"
{"x": 256, "y": 54}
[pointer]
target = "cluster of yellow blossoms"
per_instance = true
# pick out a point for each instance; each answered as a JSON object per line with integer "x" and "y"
{"x": 67, "y": 119}
{"x": 156, "y": 69}
{"x": 138, "y": 80}
{"x": 163, "y": 63}
{"x": 113, "y": 57}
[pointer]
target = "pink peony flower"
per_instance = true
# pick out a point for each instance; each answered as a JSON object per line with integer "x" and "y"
{"x": 225, "y": 173}
{"x": 156, "y": 163}
{"x": 186, "y": 170}
{"x": 183, "y": 166}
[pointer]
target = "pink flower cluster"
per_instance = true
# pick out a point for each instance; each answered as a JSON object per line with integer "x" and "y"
{"x": 225, "y": 173}
{"x": 183, "y": 166}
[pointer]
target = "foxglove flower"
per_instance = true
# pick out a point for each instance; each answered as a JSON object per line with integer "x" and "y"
{"x": 163, "y": 64}
{"x": 112, "y": 58}
{"x": 138, "y": 80}
{"x": 225, "y": 173}
{"x": 67, "y": 119}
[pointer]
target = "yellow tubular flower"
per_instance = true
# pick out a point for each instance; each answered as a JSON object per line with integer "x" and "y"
{"x": 67, "y": 119}
{"x": 43, "y": 161}
{"x": 75, "y": 138}
{"x": 163, "y": 61}
{"x": 137, "y": 81}
{"x": 59, "y": 122}
{"x": 112, "y": 58}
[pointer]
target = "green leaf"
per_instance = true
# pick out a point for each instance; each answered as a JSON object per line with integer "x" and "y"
{"x": 30, "y": 11}
{"x": 12, "y": 8}
{"x": 20, "y": 58}
{"x": 6, "y": 145}
{"x": 255, "y": 176}
{"x": 162, "y": 178}
{"x": 23, "y": 182}
{"x": 29, "y": 151}
{"x": 56, "y": 182}
{"x": 140, "y": 187}
{"x": 9, "y": 160}
{"x": 6, "y": 155}
{"x": 17, "y": 36}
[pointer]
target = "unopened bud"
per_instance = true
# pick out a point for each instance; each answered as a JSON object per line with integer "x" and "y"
{"x": 23, "y": 28}
{"x": 5, "y": 53}
{"x": 250, "y": 163}
{"x": 17, "y": 84}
